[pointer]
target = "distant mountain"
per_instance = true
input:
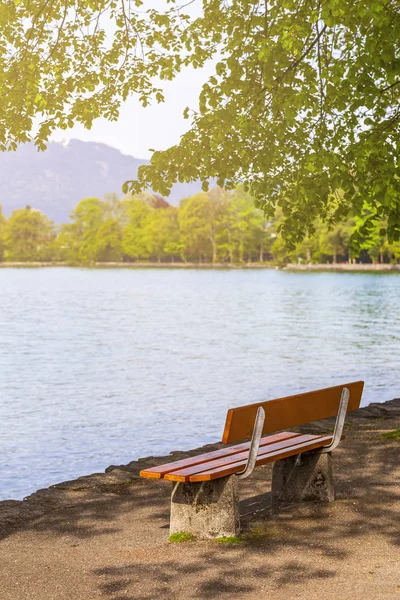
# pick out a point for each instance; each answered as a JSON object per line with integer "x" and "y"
{"x": 54, "y": 181}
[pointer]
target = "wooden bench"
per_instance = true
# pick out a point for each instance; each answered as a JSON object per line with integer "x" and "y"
{"x": 204, "y": 498}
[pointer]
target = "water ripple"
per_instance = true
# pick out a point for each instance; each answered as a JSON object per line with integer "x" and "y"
{"x": 105, "y": 366}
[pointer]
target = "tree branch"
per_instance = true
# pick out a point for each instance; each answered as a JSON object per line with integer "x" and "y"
{"x": 389, "y": 87}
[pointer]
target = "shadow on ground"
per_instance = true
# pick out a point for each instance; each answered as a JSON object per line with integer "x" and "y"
{"x": 312, "y": 536}
{"x": 289, "y": 547}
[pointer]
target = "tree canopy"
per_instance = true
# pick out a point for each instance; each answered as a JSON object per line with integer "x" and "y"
{"x": 27, "y": 236}
{"x": 217, "y": 227}
{"x": 303, "y": 108}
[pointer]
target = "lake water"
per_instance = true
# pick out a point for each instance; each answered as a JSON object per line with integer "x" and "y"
{"x": 100, "y": 367}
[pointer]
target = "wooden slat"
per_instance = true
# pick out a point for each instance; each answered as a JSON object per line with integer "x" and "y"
{"x": 290, "y": 411}
{"x": 186, "y": 473}
{"x": 160, "y": 471}
{"x": 261, "y": 460}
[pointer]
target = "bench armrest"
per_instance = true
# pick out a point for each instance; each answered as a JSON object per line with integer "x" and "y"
{"x": 340, "y": 419}
{"x": 254, "y": 444}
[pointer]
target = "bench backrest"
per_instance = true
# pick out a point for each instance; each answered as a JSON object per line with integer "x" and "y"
{"x": 291, "y": 411}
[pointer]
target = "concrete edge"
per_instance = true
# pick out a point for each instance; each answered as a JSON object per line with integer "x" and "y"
{"x": 118, "y": 478}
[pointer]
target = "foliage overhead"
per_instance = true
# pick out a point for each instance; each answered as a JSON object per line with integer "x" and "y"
{"x": 303, "y": 107}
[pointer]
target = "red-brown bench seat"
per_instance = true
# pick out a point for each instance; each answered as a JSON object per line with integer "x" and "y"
{"x": 220, "y": 463}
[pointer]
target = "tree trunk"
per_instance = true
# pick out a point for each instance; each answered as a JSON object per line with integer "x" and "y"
{"x": 230, "y": 247}
{"x": 261, "y": 254}
{"x": 334, "y": 256}
{"x": 308, "y": 255}
{"x": 214, "y": 250}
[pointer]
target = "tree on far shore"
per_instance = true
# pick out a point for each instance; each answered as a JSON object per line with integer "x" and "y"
{"x": 2, "y": 233}
{"x": 214, "y": 227}
{"x": 78, "y": 241}
{"x": 108, "y": 244}
{"x": 220, "y": 225}
{"x": 29, "y": 236}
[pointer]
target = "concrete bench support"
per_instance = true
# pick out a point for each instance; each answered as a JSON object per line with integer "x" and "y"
{"x": 303, "y": 477}
{"x": 208, "y": 509}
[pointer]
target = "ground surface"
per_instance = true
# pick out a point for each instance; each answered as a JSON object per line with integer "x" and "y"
{"x": 106, "y": 536}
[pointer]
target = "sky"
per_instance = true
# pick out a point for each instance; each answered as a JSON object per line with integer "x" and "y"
{"x": 158, "y": 126}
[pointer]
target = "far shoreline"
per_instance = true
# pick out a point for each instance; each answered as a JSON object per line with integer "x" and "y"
{"x": 137, "y": 265}
{"x": 329, "y": 267}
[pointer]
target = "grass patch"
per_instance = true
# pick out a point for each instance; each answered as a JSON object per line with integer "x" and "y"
{"x": 267, "y": 531}
{"x": 392, "y": 435}
{"x": 261, "y": 534}
{"x": 233, "y": 539}
{"x": 181, "y": 536}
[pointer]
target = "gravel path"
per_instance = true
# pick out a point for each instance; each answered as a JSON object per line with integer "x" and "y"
{"x": 106, "y": 536}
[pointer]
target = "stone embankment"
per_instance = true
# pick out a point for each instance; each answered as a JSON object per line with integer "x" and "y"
{"x": 115, "y": 475}
{"x": 344, "y": 267}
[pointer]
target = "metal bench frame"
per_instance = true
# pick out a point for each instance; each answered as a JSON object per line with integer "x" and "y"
{"x": 205, "y": 502}
{"x": 258, "y": 430}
